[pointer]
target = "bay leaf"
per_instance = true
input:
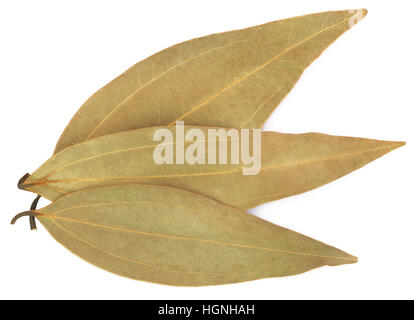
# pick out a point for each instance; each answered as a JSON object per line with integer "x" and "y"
{"x": 290, "y": 164}
{"x": 232, "y": 79}
{"x": 171, "y": 236}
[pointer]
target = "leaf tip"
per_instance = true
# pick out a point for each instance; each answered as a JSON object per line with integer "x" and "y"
{"x": 364, "y": 12}
{"x": 350, "y": 259}
{"x": 357, "y": 16}
{"x": 389, "y": 146}
{"x": 396, "y": 144}
{"x": 343, "y": 258}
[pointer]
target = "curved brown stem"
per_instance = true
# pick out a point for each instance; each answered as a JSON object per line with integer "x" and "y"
{"x": 23, "y": 214}
{"x": 34, "y": 203}
{"x": 32, "y": 208}
{"x": 22, "y": 180}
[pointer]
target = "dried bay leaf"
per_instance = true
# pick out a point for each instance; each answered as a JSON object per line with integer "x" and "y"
{"x": 171, "y": 236}
{"x": 232, "y": 79}
{"x": 291, "y": 164}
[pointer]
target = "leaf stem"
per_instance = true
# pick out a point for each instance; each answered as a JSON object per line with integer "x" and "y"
{"x": 22, "y": 180}
{"x": 23, "y": 214}
{"x": 33, "y": 208}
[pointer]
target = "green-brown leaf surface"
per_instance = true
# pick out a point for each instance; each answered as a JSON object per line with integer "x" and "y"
{"x": 170, "y": 236}
{"x": 291, "y": 164}
{"x": 232, "y": 79}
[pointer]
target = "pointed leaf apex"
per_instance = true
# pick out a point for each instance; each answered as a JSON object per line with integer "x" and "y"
{"x": 357, "y": 16}
{"x": 364, "y": 12}
{"x": 396, "y": 144}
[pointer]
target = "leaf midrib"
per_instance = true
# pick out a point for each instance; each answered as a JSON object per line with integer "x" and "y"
{"x": 299, "y": 163}
{"x": 119, "y": 229}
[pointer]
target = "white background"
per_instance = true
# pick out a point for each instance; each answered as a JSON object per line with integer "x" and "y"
{"x": 53, "y": 56}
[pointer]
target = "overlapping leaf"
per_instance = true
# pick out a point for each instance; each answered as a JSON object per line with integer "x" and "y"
{"x": 290, "y": 164}
{"x": 170, "y": 236}
{"x": 232, "y": 79}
